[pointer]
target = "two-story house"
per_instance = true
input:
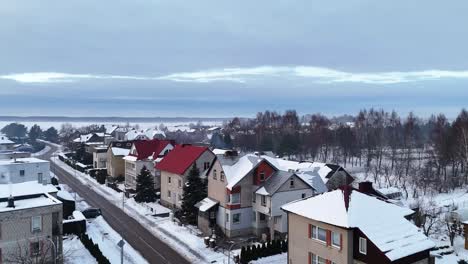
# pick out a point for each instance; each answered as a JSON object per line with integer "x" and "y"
{"x": 31, "y": 225}
{"x": 6, "y": 143}
{"x": 145, "y": 153}
{"x": 116, "y": 152}
{"x": 346, "y": 226}
{"x": 175, "y": 168}
{"x": 245, "y": 195}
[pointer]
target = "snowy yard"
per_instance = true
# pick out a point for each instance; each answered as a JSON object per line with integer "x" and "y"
{"x": 75, "y": 253}
{"x": 276, "y": 259}
{"x": 184, "y": 239}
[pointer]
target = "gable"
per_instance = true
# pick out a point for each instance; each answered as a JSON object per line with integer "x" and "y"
{"x": 299, "y": 184}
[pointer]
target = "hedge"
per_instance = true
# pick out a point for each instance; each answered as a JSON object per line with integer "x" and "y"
{"x": 93, "y": 249}
{"x": 254, "y": 252}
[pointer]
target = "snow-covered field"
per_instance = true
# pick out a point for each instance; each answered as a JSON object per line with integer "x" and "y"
{"x": 276, "y": 259}
{"x": 184, "y": 239}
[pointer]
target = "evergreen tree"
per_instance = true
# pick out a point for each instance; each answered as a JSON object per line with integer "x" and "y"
{"x": 145, "y": 187}
{"x": 15, "y": 130}
{"x": 194, "y": 192}
{"x": 35, "y": 132}
{"x": 227, "y": 140}
{"x": 51, "y": 135}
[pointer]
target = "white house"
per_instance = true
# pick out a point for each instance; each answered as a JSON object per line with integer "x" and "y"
{"x": 23, "y": 170}
{"x": 5, "y": 143}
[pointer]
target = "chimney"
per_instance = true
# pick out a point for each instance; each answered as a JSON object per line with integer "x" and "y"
{"x": 366, "y": 187}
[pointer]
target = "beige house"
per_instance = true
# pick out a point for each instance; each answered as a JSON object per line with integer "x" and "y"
{"x": 175, "y": 168}
{"x": 346, "y": 226}
{"x": 115, "y": 162}
{"x": 31, "y": 228}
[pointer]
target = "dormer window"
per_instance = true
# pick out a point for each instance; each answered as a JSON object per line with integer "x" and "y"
{"x": 215, "y": 175}
{"x": 262, "y": 176}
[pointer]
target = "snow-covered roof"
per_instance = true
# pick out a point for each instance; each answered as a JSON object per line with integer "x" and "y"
{"x": 383, "y": 223}
{"x": 120, "y": 151}
{"x": 237, "y": 171}
{"x": 313, "y": 179}
{"x": 149, "y": 133}
{"x": 5, "y": 141}
{"x": 22, "y": 160}
{"x": 130, "y": 158}
{"x": 220, "y": 151}
{"x": 26, "y": 203}
{"x": 65, "y": 195}
{"x": 206, "y": 204}
{"x": 262, "y": 191}
{"x": 25, "y": 188}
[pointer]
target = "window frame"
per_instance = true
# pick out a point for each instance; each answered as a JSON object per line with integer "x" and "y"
{"x": 263, "y": 200}
{"x": 215, "y": 177}
{"x": 333, "y": 234}
{"x": 36, "y": 220}
{"x": 22, "y": 173}
{"x": 221, "y": 176}
{"x": 362, "y": 245}
{"x": 234, "y": 216}
{"x": 262, "y": 176}
{"x": 232, "y": 200}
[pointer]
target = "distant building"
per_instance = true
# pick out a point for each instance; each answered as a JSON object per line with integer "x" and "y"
{"x": 175, "y": 168}
{"x": 99, "y": 157}
{"x": 347, "y": 226}
{"x": 31, "y": 224}
{"x": 10, "y": 154}
{"x": 6, "y": 143}
{"x": 23, "y": 170}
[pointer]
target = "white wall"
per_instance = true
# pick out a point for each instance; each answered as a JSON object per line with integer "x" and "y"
{"x": 11, "y": 171}
{"x": 281, "y": 198}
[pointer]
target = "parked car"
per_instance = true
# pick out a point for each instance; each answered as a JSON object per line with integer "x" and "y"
{"x": 91, "y": 212}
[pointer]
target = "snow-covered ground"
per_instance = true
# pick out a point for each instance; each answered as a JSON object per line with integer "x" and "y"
{"x": 75, "y": 253}
{"x": 276, "y": 259}
{"x": 185, "y": 240}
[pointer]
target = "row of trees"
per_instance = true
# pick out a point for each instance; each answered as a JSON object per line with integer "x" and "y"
{"x": 20, "y": 132}
{"x": 392, "y": 149}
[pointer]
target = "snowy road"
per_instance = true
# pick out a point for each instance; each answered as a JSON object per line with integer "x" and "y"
{"x": 150, "y": 247}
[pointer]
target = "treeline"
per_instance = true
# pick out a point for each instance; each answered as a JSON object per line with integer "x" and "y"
{"x": 390, "y": 148}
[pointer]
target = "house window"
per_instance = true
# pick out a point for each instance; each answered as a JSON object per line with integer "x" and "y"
{"x": 221, "y": 177}
{"x": 263, "y": 200}
{"x": 36, "y": 223}
{"x": 206, "y": 165}
{"x": 214, "y": 175}
{"x": 277, "y": 219}
{"x": 318, "y": 233}
{"x": 314, "y": 259}
{"x": 180, "y": 183}
{"x": 262, "y": 217}
{"x": 262, "y": 176}
{"x": 35, "y": 248}
{"x": 235, "y": 198}
{"x": 169, "y": 194}
{"x": 236, "y": 218}
{"x": 303, "y": 195}
{"x": 362, "y": 245}
{"x": 21, "y": 172}
{"x": 169, "y": 180}
{"x": 291, "y": 183}
{"x": 336, "y": 239}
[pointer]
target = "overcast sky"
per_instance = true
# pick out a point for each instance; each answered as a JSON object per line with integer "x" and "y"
{"x": 225, "y": 58}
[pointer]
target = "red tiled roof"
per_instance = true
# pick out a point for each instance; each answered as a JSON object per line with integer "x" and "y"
{"x": 180, "y": 158}
{"x": 147, "y": 148}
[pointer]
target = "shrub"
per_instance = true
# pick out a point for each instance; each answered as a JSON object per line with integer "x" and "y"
{"x": 462, "y": 261}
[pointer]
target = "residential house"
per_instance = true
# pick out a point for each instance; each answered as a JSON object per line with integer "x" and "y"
{"x": 23, "y": 170}
{"x": 175, "y": 168}
{"x": 30, "y": 224}
{"x": 145, "y": 153}
{"x": 6, "y": 143}
{"x": 346, "y": 226}
{"x": 116, "y": 152}
{"x": 99, "y": 156}
{"x": 246, "y": 193}
{"x": 145, "y": 134}
{"x": 117, "y": 132}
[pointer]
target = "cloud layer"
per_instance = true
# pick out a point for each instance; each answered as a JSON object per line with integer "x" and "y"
{"x": 244, "y": 75}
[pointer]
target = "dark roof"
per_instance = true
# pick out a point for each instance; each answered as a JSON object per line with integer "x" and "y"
{"x": 148, "y": 148}
{"x": 121, "y": 144}
{"x": 180, "y": 158}
{"x": 276, "y": 180}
